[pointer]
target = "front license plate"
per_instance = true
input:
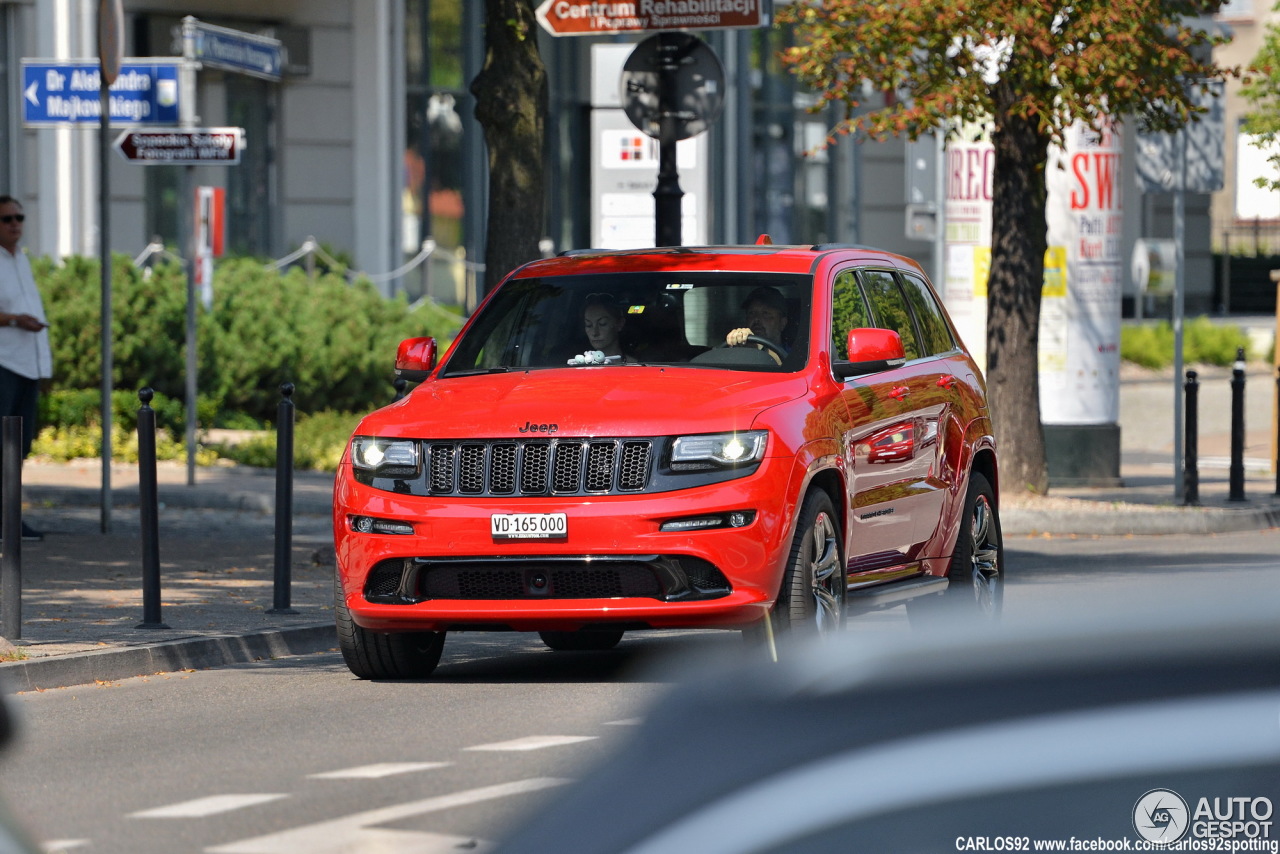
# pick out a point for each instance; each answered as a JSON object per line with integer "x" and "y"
{"x": 528, "y": 526}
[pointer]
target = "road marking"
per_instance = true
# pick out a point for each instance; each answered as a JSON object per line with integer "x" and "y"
{"x": 57, "y": 846}
{"x": 381, "y": 769}
{"x": 353, "y": 832}
{"x": 533, "y": 742}
{"x": 201, "y": 807}
{"x": 625, "y": 722}
{"x": 1249, "y": 463}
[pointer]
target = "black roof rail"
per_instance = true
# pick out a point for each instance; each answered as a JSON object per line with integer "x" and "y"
{"x": 569, "y": 253}
{"x": 823, "y": 247}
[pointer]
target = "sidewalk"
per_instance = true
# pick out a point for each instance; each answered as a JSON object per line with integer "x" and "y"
{"x": 82, "y": 600}
{"x": 1149, "y": 500}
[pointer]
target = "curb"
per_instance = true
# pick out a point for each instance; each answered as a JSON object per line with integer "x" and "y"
{"x": 81, "y": 668}
{"x": 1112, "y": 520}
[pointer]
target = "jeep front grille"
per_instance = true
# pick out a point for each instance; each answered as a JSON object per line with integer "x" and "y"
{"x": 538, "y": 467}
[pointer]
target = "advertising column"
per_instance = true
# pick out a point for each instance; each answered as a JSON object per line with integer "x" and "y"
{"x": 968, "y": 237}
{"x": 1080, "y": 309}
{"x": 1079, "y": 350}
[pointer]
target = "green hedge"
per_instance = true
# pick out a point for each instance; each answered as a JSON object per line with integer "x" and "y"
{"x": 1203, "y": 342}
{"x": 333, "y": 340}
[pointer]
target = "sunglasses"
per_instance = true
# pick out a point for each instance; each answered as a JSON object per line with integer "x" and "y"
{"x": 8, "y": 218}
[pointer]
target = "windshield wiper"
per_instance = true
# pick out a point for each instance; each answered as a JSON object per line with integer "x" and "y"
{"x": 496, "y": 369}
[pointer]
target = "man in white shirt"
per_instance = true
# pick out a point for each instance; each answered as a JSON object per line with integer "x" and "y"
{"x": 25, "y": 357}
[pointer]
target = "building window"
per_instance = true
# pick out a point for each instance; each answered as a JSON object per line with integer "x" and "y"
{"x": 434, "y": 160}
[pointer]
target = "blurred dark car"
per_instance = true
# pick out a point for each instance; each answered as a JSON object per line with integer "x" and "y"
{"x": 14, "y": 838}
{"x": 1107, "y": 732}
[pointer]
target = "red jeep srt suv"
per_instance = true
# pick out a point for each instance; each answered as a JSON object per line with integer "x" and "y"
{"x": 757, "y": 437}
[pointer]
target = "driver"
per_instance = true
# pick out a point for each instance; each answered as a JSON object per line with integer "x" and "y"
{"x": 766, "y": 310}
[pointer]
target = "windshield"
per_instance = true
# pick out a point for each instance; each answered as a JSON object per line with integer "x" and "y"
{"x": 640, "y": 318}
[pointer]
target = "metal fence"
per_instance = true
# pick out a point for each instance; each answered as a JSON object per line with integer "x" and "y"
{"x": 1244, "y": 254}
{"x": 1257, "y": 238}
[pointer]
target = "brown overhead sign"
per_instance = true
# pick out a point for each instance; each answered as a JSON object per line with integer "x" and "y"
{"x": 602, "y": 17}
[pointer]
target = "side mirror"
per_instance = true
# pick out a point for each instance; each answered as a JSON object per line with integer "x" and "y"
{"x": 871, "y": 351}
{"x": 416, "y": 359}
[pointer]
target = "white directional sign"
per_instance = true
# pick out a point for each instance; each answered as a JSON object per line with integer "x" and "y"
{"x": 599, "y": 17}
{"x": 185, "y": 146}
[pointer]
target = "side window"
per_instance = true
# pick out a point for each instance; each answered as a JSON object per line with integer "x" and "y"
{"x": 890, "y": 308}
{"x": 848, "y": 311}
{"x": 933, "y": 326}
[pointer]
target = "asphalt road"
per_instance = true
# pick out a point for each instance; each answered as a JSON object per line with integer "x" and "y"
{"x": 295, "y": 755}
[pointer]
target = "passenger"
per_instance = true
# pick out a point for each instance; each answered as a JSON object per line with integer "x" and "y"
{"x": 603, "y": 321}
{"x": 766, "y": 311}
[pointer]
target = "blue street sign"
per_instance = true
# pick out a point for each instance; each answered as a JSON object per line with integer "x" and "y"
{"x": 65, "y": 91}
{"x": 234, "y": 50}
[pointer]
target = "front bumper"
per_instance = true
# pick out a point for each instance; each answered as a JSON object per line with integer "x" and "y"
{"x": 615, "y": 566}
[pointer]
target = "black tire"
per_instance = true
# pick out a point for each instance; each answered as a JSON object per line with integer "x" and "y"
{"x": 812, "y": 598}
{"x": 582, "y": 641}
{"x": 384, "y": 655}
{"x": 975, "y": 576}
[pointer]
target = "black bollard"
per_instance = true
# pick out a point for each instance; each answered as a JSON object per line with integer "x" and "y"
{"x": 1191, "y": 442}
{"x": 149, "y": 513}
{"x": 1235, "y": 476}
{"x": 284, "y": 502}
{"x": 11, "y": 518}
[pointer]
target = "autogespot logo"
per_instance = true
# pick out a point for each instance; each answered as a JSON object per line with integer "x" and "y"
{"x": 1161, "y": 816}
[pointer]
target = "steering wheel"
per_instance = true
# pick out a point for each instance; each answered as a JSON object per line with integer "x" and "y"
{"x": 774, "y": 350}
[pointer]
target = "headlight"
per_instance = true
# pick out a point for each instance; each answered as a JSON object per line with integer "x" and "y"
{"x": 386, "y": 457}
{"x": 725, "y": 449}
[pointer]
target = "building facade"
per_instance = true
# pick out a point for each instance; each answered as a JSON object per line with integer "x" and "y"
{"x": 368, "y": 144}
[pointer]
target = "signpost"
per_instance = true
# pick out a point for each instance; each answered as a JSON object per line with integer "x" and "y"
{"x": 66, "y": 91}
{"x": 673, "y": 84}
{"x": 1198, "y": 167}
{"x": 159, "y": 92}
{"x": 182, "y": 147}
{"x": 604, "y": 17}
{"x": 672, "y": 89}
{"x": 110, "y": 57}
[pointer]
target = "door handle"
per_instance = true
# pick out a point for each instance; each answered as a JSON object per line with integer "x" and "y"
{"x": 947, "y": 382}
{"x": 900, "y": 392}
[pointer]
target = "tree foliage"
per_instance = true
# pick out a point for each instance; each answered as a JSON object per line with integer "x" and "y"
{"x": 1262, "y": 90}
{"x": 333, "y": 340}
{"x": 1027, "y": 72}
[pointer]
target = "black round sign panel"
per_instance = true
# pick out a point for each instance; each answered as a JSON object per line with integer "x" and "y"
{"x": 686, "y": 70}
{"x": 110, "y": 39}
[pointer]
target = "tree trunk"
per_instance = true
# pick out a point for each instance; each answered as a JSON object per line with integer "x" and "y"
{"x": 511, "y": 106}
{"x": 1019, "y": 235}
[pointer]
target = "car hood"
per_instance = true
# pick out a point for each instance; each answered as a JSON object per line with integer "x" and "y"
{"x": 604, "y": 401}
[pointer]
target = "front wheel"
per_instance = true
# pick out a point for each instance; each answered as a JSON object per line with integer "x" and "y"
{"x": 975, "y": 577}
{"x": 812, "y": 598}
{"x": 383, "y": 655}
